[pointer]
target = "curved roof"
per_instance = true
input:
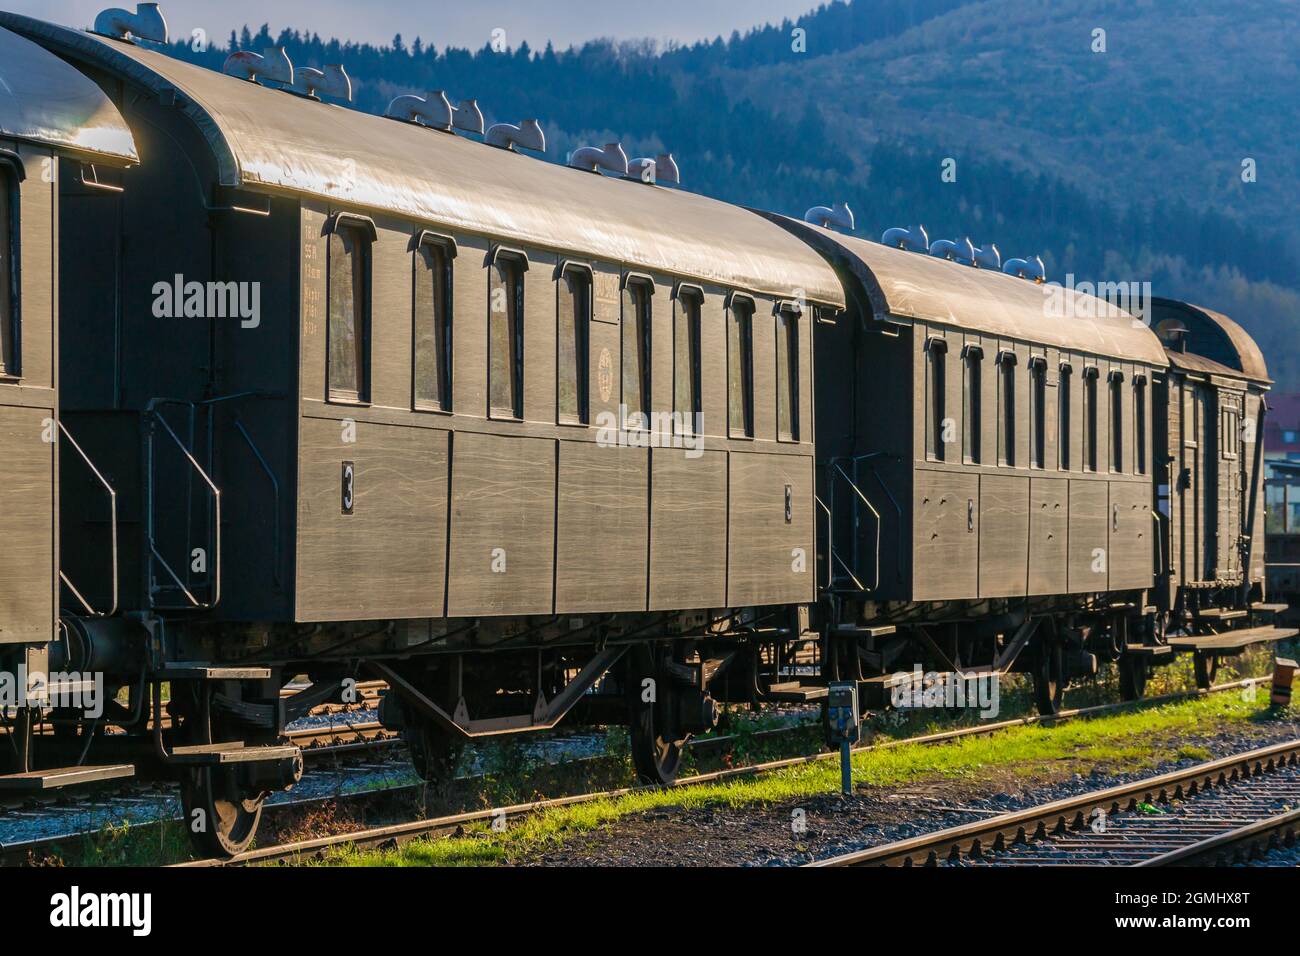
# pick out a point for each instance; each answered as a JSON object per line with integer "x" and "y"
{"x": 1216, "y": 337}
{"x": 913, "y": 286}
{"x": 264, "y": 138}
{"x": 44, "y": 100}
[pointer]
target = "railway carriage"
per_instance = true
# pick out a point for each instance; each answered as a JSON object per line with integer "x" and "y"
{"x": 356, "y": 396}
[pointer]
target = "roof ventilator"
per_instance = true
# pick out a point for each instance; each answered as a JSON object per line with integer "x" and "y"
{"x": 962, "y": 252}
{"x": 593, "y": 159}
{"x": 661, "y": 169}
{"x": 527, "y": 135}
{"x": 147, "y": 23}
{"x": 1032, "y": 269}
{"x": 986, "y": 257}
{"x": 913, "y": 240}
{"x": 436, "y": 112}
{"x": 826, "y": 217}
{"x": 274, "y": 66}
{"x": 332, "y": 81}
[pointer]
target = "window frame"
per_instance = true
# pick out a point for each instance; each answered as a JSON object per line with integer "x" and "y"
{"x": 12, "y": 175}
{"x": 516, "y": 334}
{"x": 780, "y": 310}
{"x": 1064, "y": 414}
{"x": 1091, "y": 422}
{"x": 1006, "y": 363}
{"x": 645, "y": 335}
{"x": 362, "y": 226}
{"x": 695, "y": 330}
{"x": 1230, "y": 428}
{"x": 936, "y": 398}
{"x": 582, "y": 341}
{"x": 1140, "y": 466}
{"x": 746, "y": 368}
{"x": 444, "y": 403}
{"x": 1115, "y": 396}
{"x": 972, "y": 404}
{"x": 1038, "y": 413}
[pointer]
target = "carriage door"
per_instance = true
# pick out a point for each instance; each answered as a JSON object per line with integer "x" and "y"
{"x": 1195, "y": 484}
{"x": 1228, "y": 505}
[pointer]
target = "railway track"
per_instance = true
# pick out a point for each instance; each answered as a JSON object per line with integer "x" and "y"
{"x": 399, "y": 833}
{"x": 1224, "y": 810}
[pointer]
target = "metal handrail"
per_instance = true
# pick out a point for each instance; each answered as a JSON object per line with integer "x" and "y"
{"x": 836, "y": 467}
{"x": 151, "y": 411}
{"x": 112, "y": 508}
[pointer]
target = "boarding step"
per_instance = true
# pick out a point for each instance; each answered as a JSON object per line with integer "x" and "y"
{"x": 210, "y": 755}
{"x": 193, "y": 671}
{"x": 41, "y": 781}
{"x": 1221, "y": 613}
{"x": 1268, "y": 608}
{"x": 861, "y": 630}
{"x": 1148, "y": 650}
{"x": 793, "y": 692}
{"x": 1233, "y": 640}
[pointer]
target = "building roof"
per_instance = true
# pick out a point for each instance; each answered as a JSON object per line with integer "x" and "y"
{"x": 269, "y": 139}
{"x": 1214, "y": 336}
{"x": 44, "y": 100}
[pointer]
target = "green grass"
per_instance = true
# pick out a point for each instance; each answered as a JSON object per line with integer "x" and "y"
{"x": 1135, "y": 740}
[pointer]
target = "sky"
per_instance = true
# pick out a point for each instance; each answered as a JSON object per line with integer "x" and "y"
{"x": 466, "y": 23}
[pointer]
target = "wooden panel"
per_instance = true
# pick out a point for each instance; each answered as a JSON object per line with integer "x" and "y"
{"x": 1131, "y": 535}
{"x": 946, "y": 536}
{"x": 313, "y": 314}
{"x": 387, "y": 558}
{"x": 764, "y": 337}
{"x": 27, "y": 571}
{"x": 469, "y": 327}
{"x": 688, "y": 530}
{"x": 503, "y": 505}
{"x": 1088, "y": 535}
{"x": 763, "y": 563}
{"x": 1049, "y": 535}
{"x": 36, "y": 211}
{"x": 391, "y": 263}
{"x": 539, "y": 337}
{"x": 605, "y": 344}
{"x": 713, "y": 364}
{"x": 1003, "y": 535}
{"x": 662, "y": 307}
{"x": 601, "y": 529}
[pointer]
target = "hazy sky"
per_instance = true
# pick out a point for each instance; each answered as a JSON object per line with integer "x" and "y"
{"x": 465, "y": 23}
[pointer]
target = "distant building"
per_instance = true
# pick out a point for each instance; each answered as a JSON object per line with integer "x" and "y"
{"x": 1282, "y": 426}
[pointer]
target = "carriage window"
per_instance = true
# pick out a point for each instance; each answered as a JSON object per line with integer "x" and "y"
{"x": 1090, "y": 419}
{"x": 936, "y": 386}
{"x": 8, "y": 271}
{"x": 1038, "y": 413}
{"x": 686, "y": 361}
{"x": 1063, "y": 416}
{"x": 349, "y": 313}
{"x": 432, "y": 322}
{"x": 1117, "y": 422}
{"x": 972, "y": 425}
{"x": 506, "y": 335}
{"x": 740, "y": 368}
{"x": 574, "y": 322}
{"x": 1140, "y": 424}
{"x": 1007, "y": 408}
{"x": 787, "y": 375}
{"x": 637, "y": 317}
{"x": 1231, "y": 433}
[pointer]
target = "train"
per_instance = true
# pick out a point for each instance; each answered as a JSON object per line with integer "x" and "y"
{"x": 293, "y": 396}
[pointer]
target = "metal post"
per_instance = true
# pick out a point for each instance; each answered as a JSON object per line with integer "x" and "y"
{"x": 846, "y": 768}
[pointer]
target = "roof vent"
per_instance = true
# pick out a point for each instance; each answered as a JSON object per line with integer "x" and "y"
{"x": 826, "y": 217}
{"x": 147, "y": 23}
{"x": 661, "y": 169}
{"x": 436, "y": 112}
{"x": 962, "y": 252}
{"x": 274, "y": 66}
{"x": 593, "y": 159}
{"x": 332, "y": 81}
{"x": 527, "y": 135}
{"x": 1031, "y": 269}
{"x": 1173, "y": 333}
{"x": 987, "y": 257}
{"x": 913, "y": 240}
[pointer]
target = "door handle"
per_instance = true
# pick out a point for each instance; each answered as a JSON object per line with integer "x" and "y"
{"x": 1114, "y": 518}
{"x": 970, "y": 515}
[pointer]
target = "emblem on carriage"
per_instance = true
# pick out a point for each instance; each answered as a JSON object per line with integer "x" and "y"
{"x": 605, "y": 375}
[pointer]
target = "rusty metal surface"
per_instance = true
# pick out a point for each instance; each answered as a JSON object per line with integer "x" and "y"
{"x": 1219, "y": 336}
{"x": 264, "y": 138}
{"x": 915, "y": 286}
{"x": 44, "y": 100}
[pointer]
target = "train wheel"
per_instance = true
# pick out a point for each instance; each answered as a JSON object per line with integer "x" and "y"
{"x": 1133, "y": 672}
{"x": 434, "y": 752}
{"x": 221, "y": 815}
{"x": 1049, "y": 678}
{"x": 656, "y": 746}
{"x": 1206, "y": 668}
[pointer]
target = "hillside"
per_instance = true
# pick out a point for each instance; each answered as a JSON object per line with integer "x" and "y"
{"x": 1123, "y": 165}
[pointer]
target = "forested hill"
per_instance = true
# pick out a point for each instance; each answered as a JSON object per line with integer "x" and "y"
{"x": 1120, "y": 165}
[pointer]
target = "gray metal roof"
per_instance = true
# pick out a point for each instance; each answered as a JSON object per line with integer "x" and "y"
{"x": 1216, "y": 337}
{"x": 264, "y": 138}
{"x": 44, "y": 100}
{"x": 915, "y": 286}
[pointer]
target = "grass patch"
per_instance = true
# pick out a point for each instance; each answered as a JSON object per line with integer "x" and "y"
{"x": 1132, "y": 740}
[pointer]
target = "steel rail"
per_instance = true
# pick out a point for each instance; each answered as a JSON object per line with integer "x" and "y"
{"x": 1257, "y": 836}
